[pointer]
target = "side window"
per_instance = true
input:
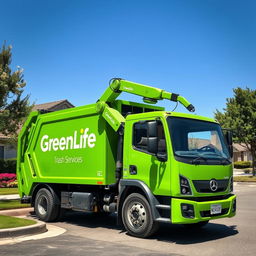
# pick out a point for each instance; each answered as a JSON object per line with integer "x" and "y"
{"x": 140, "y": 137}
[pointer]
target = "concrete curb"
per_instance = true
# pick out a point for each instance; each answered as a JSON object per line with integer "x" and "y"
{"x": 39, "y": 227}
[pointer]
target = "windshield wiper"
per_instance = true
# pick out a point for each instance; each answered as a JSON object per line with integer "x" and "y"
{"x": 224, "y": 160}
{"x": 197, "y": 160}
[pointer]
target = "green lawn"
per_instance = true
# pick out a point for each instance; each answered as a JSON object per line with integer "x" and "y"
{"x": 12, "y": 204}
{"x": 245, "y": 178}
{"x": 8, "y": 191}
{"x": 13, "y": 222}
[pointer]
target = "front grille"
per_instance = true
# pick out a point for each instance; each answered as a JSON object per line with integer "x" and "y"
{"x": 208, "y": 213}
{"x": 203, "y": 186}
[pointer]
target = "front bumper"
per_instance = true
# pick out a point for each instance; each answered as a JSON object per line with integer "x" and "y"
{"x": 201, "y": 210}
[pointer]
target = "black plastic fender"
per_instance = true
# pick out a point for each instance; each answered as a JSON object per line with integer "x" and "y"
{"x": 124, "y": 184}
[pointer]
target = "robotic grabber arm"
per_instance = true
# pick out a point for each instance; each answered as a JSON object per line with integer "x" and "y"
{"x": 150, "y": 94}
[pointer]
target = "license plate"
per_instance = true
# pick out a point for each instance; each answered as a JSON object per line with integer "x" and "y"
{"x": 215, "y": 208}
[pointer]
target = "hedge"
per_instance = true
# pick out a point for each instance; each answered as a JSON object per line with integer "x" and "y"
{"x": 8, "y": 166}
{"x": 242, "y": 164}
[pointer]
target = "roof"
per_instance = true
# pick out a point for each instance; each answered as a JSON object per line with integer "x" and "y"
{"x": 239, "y": 147}
{"x": 3, "y": 137}
{"x": 53, "y": 105}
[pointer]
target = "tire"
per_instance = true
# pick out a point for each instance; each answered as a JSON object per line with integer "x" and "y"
{"x": 137, "y": 217}
{"x": 196, "y": 225}
{"x": 47, "y": 206}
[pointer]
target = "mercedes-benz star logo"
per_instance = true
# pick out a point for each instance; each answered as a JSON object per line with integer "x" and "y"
{"x": 213, "y": 185}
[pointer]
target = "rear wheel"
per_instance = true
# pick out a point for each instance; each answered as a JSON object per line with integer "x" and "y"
{"x": 137, "y": 217}
{"x": 47, "y": 206}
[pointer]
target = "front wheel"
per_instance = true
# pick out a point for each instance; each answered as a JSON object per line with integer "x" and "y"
{"x": 137, "y": 217}
{"x": 47, "y": 206}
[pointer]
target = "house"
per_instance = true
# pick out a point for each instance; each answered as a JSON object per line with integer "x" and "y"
{"x": 7, "y": 150}
{"x": 54, "y": 106}
{"x": 241, "y": 153}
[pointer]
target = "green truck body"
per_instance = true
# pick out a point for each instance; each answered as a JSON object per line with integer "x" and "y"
{"x": 146, "y": 164}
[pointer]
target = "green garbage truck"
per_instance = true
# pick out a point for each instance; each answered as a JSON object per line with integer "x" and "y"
{"x": 137, "y": 160}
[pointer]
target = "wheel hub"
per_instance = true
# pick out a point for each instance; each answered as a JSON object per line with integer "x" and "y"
{"x": 42, "y": 205}
{"x": 137, "y": 215}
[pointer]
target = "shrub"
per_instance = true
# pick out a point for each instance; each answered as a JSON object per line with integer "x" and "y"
{"x": 8, "y": 165}
{"x": 8, "y": 180}
{"x": 242, "y": 164}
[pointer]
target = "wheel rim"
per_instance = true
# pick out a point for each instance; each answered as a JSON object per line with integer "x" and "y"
{"x": 136, "y": 215}
{"x": 42, "y": 205}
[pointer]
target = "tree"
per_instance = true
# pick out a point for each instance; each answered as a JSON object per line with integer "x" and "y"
{"x": 240, "y": 116}
{"x": 13, "y": 108}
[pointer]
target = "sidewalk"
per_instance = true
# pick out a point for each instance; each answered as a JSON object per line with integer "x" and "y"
{"x": 9, "y": 197}
{"x": 239, "y": 172}
{"x": 14, "y": 212}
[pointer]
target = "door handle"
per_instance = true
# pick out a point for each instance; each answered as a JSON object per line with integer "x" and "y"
{"x": 133, "y": 169}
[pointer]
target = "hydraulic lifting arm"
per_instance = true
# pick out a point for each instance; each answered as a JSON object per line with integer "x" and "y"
{"x": 149, "y": 94}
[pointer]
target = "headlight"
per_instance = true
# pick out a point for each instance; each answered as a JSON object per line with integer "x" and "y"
{"x": 184, "y": 186}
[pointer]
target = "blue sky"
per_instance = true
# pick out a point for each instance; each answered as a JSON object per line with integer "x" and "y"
{"x": 200, "y": 49}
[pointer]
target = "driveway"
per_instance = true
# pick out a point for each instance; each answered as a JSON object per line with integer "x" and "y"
{"x": 88, "y": 234}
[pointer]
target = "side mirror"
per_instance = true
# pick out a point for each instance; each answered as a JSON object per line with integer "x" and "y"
{"x": 161, "y": 157}
{"x": 229, "y": 139}
{"x": 153, "y": 141}
{"x": 153, "y": 145}
{"x": 230, "y": 148}
{"x": 152, "y": 129}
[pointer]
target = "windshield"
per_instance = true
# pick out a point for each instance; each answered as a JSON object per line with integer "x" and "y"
{"x": 198, "y": 141}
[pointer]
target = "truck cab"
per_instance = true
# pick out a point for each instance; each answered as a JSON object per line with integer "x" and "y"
{"x": 184, "y": 160}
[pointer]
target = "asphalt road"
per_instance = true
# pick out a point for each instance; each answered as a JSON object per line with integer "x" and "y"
{"x": 88, "y": 234}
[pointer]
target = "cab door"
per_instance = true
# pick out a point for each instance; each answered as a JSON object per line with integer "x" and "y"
{"x": 142, "y": 165}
